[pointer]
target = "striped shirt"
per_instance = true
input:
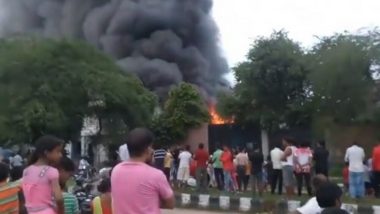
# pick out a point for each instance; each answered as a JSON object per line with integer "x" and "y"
{"x": 70, "y": 203}
{"x": 9, "y": 203}
{"x": 159, "y": 157}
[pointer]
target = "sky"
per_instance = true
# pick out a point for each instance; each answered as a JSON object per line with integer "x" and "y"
{"x": 242, "y": 21}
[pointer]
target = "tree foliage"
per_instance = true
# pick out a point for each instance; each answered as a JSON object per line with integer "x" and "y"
{"x": 184, "y": 110}
{"x": 49, "y": 86}
{"x": 271, "y": 84}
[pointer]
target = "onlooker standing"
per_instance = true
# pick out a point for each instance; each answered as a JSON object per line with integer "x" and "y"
{"x": 9, "y": 202}
{"x": 184, "y": 166}
{"x": 123, "y": 152}
{"x": 302, "y": 165}
{"x": 376, "y": 169}
{"x": 287, "y": 166}
{"x": 66, "y": 171}
{"x": 257, "y": 160}
{"x": 276, "y": 155}
{"x": 228, "y": 167}
{"x": 17, "y": 160}
{"x": 168, "y": 162}
{"x": 355, "y": 157}
{"x": 147, "y": 185}
{"x": 218, "y": 167}
{"x": 102, "y": 204}
{"x": 346, "y": 177}
{"x": 202, "y": 157}
{"x": 321, "y": 157}
{"x": 158, "y": 158}
{"x": 241, "y": 165}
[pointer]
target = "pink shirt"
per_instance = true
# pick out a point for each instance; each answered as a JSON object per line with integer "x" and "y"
{"x": 37, "y": 188}
{"x": 137, "y": 188}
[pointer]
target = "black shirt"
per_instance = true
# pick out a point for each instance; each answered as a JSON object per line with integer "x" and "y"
{"x": 257, "y": 160}
{"x": 321, "y": 156}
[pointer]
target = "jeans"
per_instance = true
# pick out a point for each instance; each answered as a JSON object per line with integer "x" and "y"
{"x": 201, "y": 177}
{"x": 228, "y": 182}
{"x": 257, "y": 182}
{"x": 219, "y": 177}
{"x": 356, "y": 180}
{"x": 300, "y": 177}
{"x": 276, "y": 179}
{"x": 241, "y": 180}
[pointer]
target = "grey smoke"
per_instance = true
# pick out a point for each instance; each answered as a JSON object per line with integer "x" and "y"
{"x": 164, "y": 42}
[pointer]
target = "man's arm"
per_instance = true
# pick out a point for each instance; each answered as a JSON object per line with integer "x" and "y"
{"x": 287, "y": 153}
{"x": 166, "y": 193}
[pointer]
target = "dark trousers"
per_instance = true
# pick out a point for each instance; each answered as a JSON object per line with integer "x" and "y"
{"x": 201, "y": 177}
{"x": 276, "y": 181}
{"x": 167, "y": 173}
{"x": 376, "y": 183}
{"x": 219, "y": 177}
{"x": 242, "y": 178}
{"x": 304, "y": 176}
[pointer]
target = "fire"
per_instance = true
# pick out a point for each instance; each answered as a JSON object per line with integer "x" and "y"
{"x": 216, "y": 119}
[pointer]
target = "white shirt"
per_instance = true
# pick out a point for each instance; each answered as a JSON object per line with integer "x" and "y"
{"x": 289, "y": 159}
{"x": 276, "y": 155}
{"x": 124, "y": 152}
{"x": 311, "y": 207}
{"x": 355, "y": 157}
{"x": 16, "y": 160}
{"x": 184, "y": 159}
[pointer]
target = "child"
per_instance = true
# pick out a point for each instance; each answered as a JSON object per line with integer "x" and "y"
{"x": 41, "y": 180}
{"x": 66, "y": 171}
{"x": 103, "y": 203}
{"x": 9, "y": 202}
{"x": 15, "y": 178}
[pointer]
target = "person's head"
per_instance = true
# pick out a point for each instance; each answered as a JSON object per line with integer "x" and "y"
{"x": 329, "y": 195}
{"x": 226, "y": 148}
{"x": 318, "y": 181}
{"x": 304, "y": 144}
{"x": 334, "y": 210}
{"x": 48, "y": 149}
{"x": 287, "y": 141}
{"x": 355, "y": 143}
{"x": 104, "y": 186}
{"x": 187, "y": 148}
{"x": 66, "y": 169}
{"x": 140, "y": 141}
{"x": 16, "y": 173}
{"x": 321, "y": 143}
{"x": 201, "y": 146}
{"x": 4, "y": 172}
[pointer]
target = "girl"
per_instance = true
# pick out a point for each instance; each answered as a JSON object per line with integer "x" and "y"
{"x": 103, "y": 203}
{"x": 40, "y": 182}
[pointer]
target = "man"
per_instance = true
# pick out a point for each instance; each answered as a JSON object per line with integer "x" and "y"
{"x": 201, "y": 156}
{"x": 257, "y": 160}
{"x": 184, "y": 166}
{"x": 376, "y": 169}
{"x": 147, "y": 190}
{"x": 355, "y": 157}
{"x": 123, "y": 152}
{"x": 302, "y": 165}
{"x": 329, "y": 197}
{"x": 218, "y": 167}
{"x": 9, "y": 202}
{"x": 321, "y": 156}
{"x": 66, "y": 171}
{"x": 228, "y": 166}
{"x": 287, "y": 165}
{"x": 311, "y": 206}
{"x": 276, "y": 155}
{"x": 158, "y": 158}
{"x": 241, "y": 166}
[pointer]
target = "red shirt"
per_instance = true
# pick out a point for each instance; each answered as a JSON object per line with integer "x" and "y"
{"x": 227, "y": 160}
{"x": 376, "y": 158}
{"x": 201, "y": 156}
{"x": 345, "y": 175}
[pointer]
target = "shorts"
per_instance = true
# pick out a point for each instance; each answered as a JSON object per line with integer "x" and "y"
{"x": 183, "y": 174}
{"x": 288, "y": 176}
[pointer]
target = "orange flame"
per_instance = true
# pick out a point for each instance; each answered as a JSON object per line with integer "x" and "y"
{"x": 216, "y": 119}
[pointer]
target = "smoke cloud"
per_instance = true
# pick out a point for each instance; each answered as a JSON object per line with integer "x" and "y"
{"x": 164, "y": 42}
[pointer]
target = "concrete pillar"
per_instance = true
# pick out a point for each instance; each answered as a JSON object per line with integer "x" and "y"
{"x": 265, "y": 143}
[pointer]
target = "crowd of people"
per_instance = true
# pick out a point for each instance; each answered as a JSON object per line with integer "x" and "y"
{"x": 149, "y": 175}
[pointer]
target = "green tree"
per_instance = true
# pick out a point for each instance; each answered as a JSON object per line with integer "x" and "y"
{"x": 271, "y": 85}
{"x": 184, "y": 110}
{"x": 49, "y": 86}
{"x": 341, "y": 76}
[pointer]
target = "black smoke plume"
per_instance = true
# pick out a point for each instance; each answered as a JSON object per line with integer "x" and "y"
{"x": 164, "y": 42}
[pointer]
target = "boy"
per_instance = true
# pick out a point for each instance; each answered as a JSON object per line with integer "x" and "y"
{"x": 329, "y": 197}
{"x": 66, "y": 170}
{"x": 9, "y": 202}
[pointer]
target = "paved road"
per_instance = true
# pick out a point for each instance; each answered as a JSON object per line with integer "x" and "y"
{"x": 182, "y": 211}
